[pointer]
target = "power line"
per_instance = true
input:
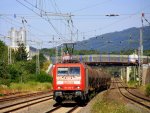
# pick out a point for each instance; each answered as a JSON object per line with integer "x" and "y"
{"x": 57, "y": 8}
{"x": 48, "y": 20}
{"x": 46, "y": 15}
{"x": 20, "y": 24}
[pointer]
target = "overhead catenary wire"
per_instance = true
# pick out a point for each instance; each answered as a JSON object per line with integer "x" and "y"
{"x": 20, "y": 23}
{"x": 93, "y": 30}
{"x": 45, "y": 14}
{"x": 16, "y": 23}
{"x": 102, "y": 18}
{"x": 46, "y": 19}
{"x": 73, "y": 27}
{"x": 42, "y": 11}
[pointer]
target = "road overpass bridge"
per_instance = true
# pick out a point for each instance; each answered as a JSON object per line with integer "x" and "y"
{"x": 115, "y": 60}
{"x": 105, "y": 60}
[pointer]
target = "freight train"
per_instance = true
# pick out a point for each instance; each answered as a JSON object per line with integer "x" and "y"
{"x": 75, "y": 81}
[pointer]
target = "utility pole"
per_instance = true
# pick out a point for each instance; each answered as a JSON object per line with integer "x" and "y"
{"x": 37, "y": 56}
{"x": 9, "y": 55}
{"x": 77, "y": 34}
{"x": 37, "y": 62}
{"x": 9, "y": 50}
{"x": 140, "y": 56}
{"x": 62, "y": 51}
{"x": 56, "y": 54}
{"x": 140, "y": 70}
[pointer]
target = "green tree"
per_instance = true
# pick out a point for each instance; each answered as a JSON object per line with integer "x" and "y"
{"x": 30, "y": 66}
{"x": 3, "y": 51}
{"x": 4, "y": 75}
{"x": 3, "y": 61}
{"x": 21, "y": 54}
{"x": 3, "y": 70}
{"x": 42, "y": 59}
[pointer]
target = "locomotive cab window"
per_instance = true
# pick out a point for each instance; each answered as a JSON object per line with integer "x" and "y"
{"x": 62, "y": 71}
{"x": 74, "y": 71}
{"x": 68, "y": 71}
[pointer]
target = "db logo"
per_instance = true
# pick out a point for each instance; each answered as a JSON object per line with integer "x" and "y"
{"x": 68, "y": 87}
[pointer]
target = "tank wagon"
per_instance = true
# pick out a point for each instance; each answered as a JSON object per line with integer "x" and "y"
{"x": 75, "y": 82}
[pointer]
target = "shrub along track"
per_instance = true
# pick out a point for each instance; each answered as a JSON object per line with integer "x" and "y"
{"x": 132, "y": 97}
{"x": 24, "y": 104}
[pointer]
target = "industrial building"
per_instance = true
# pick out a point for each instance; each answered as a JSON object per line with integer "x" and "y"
{"x": 18, "y": 37}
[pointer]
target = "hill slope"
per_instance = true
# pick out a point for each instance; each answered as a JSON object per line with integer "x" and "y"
{"x": 116, "y": 41}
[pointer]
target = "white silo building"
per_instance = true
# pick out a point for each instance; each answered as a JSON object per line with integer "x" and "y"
{"x": 13, "y": 36}
{"x": 18, "y": 37}
{"x": 22, "y": 35}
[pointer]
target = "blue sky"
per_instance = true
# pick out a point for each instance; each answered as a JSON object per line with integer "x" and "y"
{"x": 88, "y": 17}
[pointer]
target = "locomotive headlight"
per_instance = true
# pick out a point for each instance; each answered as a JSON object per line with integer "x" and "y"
{"x": 59, "y": 87}
{"x": 78, "y": 87}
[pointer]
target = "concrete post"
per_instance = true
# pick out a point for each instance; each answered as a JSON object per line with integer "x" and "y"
{"x": 121, "y": 73}
{"x": 128, "y": 70}
{"x": 146, "y": 74}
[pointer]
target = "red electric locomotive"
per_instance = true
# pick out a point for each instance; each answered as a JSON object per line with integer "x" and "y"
{"x": 75, "y": 81}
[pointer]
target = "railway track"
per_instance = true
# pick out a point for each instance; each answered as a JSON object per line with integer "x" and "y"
{"x": 22, "y": 96}
{"x": 132, "y": 97}
{"x": 143, "y": 98}
{"x": 113, "y": 83}
{"x": 24, "y": 104}
{"x": 61, "y": 108}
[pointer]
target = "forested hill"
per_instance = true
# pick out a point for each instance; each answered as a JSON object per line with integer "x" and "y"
{"x": 120, "y": 40}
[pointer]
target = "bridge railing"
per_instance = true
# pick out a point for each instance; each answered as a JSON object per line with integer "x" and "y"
{"x": 102, "y": 58}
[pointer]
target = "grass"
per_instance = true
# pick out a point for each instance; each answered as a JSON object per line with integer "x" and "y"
{"x": 143, "y": 89}
{"x": 109, "y": 106}
{"x": 30, "y": 86}
{"x": 25, "y": 87}
{"x": 147, "y": 90}
{"x": 132, "y": 84}
{"x": 4, "y": 89}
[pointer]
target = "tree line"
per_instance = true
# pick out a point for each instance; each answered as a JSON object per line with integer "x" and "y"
{"x": 51, "y": 52}
{"x": 21, "y": 69}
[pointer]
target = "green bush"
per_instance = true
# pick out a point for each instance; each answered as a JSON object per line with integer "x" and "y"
{"x": 132, "y": 83}
{"x": 19, "y": 72}
{"x": 5, "y": 81}
{"x": 147, "y": 90}
{"x": 30, "y": 66}
{"x": 44, "y": 77}
{"x": 14, "y": 72}
{"x": 3, "y": 70}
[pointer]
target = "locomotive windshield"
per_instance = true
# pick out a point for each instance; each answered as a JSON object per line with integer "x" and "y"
{"x": 68, "y": 71}
{"x": 74, "y": 71}
{"x": 62, "y": 71}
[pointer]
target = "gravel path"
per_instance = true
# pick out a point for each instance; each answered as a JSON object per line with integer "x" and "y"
{"x": 88, "y": 107}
